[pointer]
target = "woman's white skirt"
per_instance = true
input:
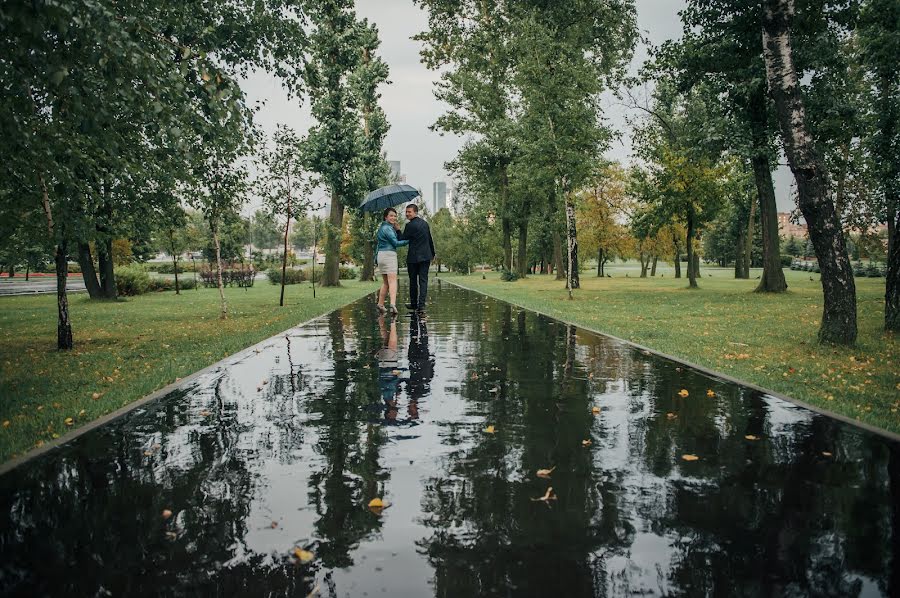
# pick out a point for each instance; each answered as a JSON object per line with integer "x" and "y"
{"x": 387, "y": 262}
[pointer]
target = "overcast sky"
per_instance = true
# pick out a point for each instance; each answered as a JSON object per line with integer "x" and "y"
{"x": 410, "y": 104}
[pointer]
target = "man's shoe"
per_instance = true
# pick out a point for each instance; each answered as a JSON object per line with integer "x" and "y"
{"x": 412, "y": 306}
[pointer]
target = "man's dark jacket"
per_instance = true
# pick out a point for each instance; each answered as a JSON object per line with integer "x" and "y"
{"x": 421, "y": 245}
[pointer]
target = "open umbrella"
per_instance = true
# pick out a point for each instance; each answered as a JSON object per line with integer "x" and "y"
{"x": 388, "y": 197}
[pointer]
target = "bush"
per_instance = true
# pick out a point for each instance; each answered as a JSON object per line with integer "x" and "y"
{"x": 169, "y": 268}
{"x": 859, "y": 269}
{"x": 509, "y": 276}
{"x": 308, "y": 274}
{"x": 241, "y": 278}
{"x": 786, "y": 261}
{"x": 291, "y": 276}
{"x": 873, "y": 271}
{"x": 347, "y": 273}
{"x": 815, "y": 267}
{"x": 73, "y": 268}
{"x": 132, "y": 280}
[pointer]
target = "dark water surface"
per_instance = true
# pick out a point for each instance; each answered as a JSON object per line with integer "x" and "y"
{"x": 284, "y": 448}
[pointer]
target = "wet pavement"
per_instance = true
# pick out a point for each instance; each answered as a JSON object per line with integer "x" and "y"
{"x": 448, "y": 418}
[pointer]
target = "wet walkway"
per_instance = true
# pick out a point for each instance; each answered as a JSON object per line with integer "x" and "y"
{"x": 448, "y": 418}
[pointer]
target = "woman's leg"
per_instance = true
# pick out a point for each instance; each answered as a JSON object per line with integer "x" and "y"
{"x": 382, "y": 292}
{"x": 392, "y": 285}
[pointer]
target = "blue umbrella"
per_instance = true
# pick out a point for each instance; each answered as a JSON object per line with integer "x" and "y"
{"x": 388, "y": 197}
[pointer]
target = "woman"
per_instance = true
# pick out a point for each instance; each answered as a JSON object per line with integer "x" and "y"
{"x": 386, "y": 258}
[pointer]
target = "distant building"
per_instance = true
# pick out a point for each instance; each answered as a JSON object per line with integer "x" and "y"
{"x": 440, "y": 195}
{"x": 396, "y": 175}
{"x": 788, "y": 228}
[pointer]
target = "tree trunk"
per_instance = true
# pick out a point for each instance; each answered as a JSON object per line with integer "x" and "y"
{"x": 86, "y": 262}
{"x": 63, "y": 325}
{"x": 599, "y": 262}
{"x": 677, "y": 260}
{"x": 331, "y": 275}
{"x": 215, "y": 233}
{"x": 174, "y": 259}
{"x": 772, "y": 279}
{"x": 28, "y": 270}
{"x": 892, "y": 284}
{"x": 558, "y": 265}
{"x": 691, "y": 271}
{"x": 644, "y": 264}
{"x": 653, "y": 268}
{"x": 287, "y": 228}
{"x": 107, "y": 276}
{"x": 572, "y": 281}
{"x": 523, "y": 247}
{"x": 506, "y": 228}
{"x": 368, "y": 267}
{"x": 839, "y": 288}
{"x": 748, "y": 239}
{"x": 739, "y": 249}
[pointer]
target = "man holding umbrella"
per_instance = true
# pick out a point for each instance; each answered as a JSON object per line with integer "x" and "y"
{"x": 418, "y": 260}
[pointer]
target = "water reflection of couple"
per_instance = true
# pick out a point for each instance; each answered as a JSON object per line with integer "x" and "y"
{"x": 390, "y": 373}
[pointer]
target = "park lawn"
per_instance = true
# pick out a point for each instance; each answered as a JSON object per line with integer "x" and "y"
{"x": 767, "y": 340}
{"x": 126, "y": 349}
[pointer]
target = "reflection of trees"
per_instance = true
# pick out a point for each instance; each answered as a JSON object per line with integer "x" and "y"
{"x": 489, "y": 535}
{"x": 348, "y": 445}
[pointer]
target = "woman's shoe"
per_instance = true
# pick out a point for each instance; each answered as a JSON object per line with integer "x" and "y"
{"x": 393, "y": 310}
{"x": 381, "y": 309}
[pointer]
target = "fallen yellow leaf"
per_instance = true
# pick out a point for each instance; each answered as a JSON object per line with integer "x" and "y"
{"x": 751, "y": 437}
{"x": 95, "y": 396}
{"x": 671, "y": 415}
{"x": 595, "y": 410}
{"x": 683, "y": 393}
{"x": 710, "y": 393}
{"x": 690, "y": 457}
{"x": 6, "y": 423}
{"x": 545, "y": 473}
{"x": 304, "y": 556}
{"x": 826, "y": 454}
{"x": 69, "y": 421}
{"x": 376, "y": 503}
{"x": 489, "y": 430}
{"x": 585, "y": 443}
{"x": 166, "y": 513}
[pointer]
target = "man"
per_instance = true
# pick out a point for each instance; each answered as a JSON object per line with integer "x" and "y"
{"x": 418, "y": 260}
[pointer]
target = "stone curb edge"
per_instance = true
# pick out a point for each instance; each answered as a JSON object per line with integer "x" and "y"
{"x": 838, "y": 416}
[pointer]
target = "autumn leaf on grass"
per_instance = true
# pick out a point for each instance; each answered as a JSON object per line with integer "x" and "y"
{"x": 489, "y": 430}
{"x": 304, "y": 556}
{"x": 683, "y": 393}
{"x": 545, "y": 473}
{"x": 690, "y": 457}
{"x": 69, "y": 421}
{"x": 548, "y": 495}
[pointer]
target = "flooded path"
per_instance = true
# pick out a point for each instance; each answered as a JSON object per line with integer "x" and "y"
{"x": 665, "y": 481}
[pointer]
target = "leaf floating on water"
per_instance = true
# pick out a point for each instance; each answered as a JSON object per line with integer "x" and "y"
{"x": 683, "y": 393}
{"x": 376, "y": 503}
{"x": 548, "y": 495}
{"x": 489, "y": 430}
{"x": 710, "y": 393}
{"x": 545, "y": 473}
{"x": 595, "y": 410}
{"x": 671, "y": 415}
{"x": 690, "y": 457}
{"x": 204, "y": 413}
{"x": 826, "y": 454}
{"x": 304, "y": 556}
{"x": 585, "y": 443}
{"x": 166, "y": 513}
{"x": 273, "y": 525}
{"x": 171, "y": 536}
{"x": 751, "y": 437}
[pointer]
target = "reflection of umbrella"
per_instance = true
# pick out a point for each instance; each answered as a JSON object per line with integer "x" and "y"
{"x": 388, "y": 197}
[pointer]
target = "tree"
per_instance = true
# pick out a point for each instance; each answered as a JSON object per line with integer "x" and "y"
{"x": 283, "y": 185}
{"x": 813, "y": 185}
{"x": 601, "y": 209}
{"x": 720, "y": 48}
{"x": 879, "y": 46}
{"x": 337, "y": 142}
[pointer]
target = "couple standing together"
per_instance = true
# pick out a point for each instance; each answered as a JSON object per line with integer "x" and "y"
{"x": 389, "y": 238}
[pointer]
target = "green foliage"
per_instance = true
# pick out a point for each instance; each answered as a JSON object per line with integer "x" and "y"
{"x": 508, "y": 276}
{"x": 291, "y": 276}
{"x": 132, "y": 280}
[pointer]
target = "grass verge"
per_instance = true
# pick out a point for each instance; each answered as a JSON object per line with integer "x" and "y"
{"x": 125, "y": 350}
{"x": 768, "y": 340}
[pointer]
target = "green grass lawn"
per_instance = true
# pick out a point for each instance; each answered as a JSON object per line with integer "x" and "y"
{"x": 126, "y": 349}
{"x": 768, "y": 340}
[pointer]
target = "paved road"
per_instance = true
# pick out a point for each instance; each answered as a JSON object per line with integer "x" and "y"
{"x": 37, "y": 286}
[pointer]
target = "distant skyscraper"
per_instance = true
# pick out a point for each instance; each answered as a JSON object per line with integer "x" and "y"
{"x": 440, "y": 195}
{"x": 395, "y": 170}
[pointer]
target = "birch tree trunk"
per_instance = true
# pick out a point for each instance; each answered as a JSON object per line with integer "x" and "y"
{"x": 572, "y": 281}
{"x": 215, "y": 232}
{"x": 331, "y": 275}
{"x": 813, "y": 187}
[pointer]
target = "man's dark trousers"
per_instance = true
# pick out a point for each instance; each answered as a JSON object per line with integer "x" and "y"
{"x": 418, "y": 283}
